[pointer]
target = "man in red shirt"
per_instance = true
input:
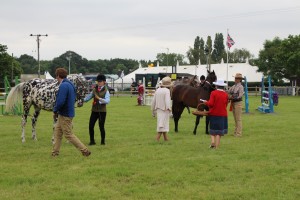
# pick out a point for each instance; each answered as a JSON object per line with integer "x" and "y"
{"x": 217, "y": 104}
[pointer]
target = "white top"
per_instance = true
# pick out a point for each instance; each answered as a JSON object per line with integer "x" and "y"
{"x": 161, "y": 99}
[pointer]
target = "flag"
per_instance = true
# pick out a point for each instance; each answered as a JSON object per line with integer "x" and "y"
{"x": 230, "y": 41}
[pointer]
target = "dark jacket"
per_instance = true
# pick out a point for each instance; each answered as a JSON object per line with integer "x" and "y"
{"x": 65, "y": 99}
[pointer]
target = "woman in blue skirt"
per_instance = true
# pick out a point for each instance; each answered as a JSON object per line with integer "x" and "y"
{"x": 217, "y": 104}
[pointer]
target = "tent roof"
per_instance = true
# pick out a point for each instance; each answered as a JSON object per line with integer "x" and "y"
{"x": 48, "y": 75}
{"x": 220, "y": 69}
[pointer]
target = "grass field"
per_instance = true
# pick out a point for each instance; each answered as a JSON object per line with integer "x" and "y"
{"x": 263, "y": 164}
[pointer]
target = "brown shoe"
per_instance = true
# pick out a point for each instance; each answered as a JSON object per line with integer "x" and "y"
{"x": 86, "y": 153}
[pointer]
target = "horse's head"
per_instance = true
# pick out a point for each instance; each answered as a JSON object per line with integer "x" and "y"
{"x": 81, "y": 85}
{"x": 211, "y": 76}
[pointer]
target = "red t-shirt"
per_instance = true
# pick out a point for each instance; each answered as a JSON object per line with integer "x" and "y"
{"x": 141, "y": 89}
{"x": 217, "y": 103}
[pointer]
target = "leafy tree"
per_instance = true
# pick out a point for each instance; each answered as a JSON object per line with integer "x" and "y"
{"x": 240, "y": 56}
{"x": 280, "y": 58}
{"x": 202, "y": 54}
{"x": 219, "y": 48}
{"x": 197, "y": 53}
{"x": 77, "y": 63}
{"x": 290, "y": 57}
{"x": 208, "y": 50}
{"x": 169, "y": 59}
{"x": 28, "y": 64}
{"x": 8, "y": 65}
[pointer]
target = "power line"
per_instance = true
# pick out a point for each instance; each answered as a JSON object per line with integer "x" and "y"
{"x": 205, "y": 19}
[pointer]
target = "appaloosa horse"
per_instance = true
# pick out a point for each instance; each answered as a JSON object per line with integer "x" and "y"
{"x": 41, "y": 93}
{"x": 188, "y": 96}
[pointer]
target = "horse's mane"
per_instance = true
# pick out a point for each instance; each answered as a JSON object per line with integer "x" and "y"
{"x": 187, "y": 81}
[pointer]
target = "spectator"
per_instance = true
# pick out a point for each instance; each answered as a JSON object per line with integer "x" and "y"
{"x": 141, "y": 91}
{"x": 161, "y": 106}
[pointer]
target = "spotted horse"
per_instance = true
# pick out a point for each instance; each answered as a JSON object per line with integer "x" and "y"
{"x": 41, "y": 94}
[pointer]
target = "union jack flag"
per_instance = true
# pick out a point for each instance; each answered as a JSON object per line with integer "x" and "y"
{"x": 230, "y": 41}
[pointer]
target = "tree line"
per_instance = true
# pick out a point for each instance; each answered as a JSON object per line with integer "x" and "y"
{"x": 280, "y": 58}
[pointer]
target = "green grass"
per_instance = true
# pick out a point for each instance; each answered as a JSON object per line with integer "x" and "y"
{"x": 263, "y": 164}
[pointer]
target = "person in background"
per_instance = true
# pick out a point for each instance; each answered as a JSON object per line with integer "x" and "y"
{"x": 236, "y": 93}
{"x": 202, "y": 80}
{"x": 161, "y": 106}
{"x": 217, "y": 104}
{"x": 133, "y": 87}
{"x": 141, "y": 91}
{"x": 64, "y": 112}
{"x": 101, "y": 97}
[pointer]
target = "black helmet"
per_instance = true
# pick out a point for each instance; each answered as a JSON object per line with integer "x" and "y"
{"x": 202, "y": 77}
{"x": 101, "y": 77}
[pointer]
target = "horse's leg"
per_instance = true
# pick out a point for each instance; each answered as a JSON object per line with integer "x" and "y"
{"x": 177, "y": 110}
{"x": 26, "y": 108}
{"x": 54, "y": 124}
{"x": 34, "y": 120}
{"x": 24, "y": 120}
{"x": 196, "y": 124}
{"x": 207, "y": 124}
{"x": 176, "y": 123}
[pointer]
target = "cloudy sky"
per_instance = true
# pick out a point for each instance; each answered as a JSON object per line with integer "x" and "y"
{"x": 139, "y": 29}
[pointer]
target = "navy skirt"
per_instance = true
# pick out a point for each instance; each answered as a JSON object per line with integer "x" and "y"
{"x": 218, "y": 125}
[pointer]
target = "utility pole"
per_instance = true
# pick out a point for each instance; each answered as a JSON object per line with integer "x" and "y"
{"x": 12, "y": 67}
{"x": 69, "y": 59}
{"x": 167, "y": 56}
{"x": 38, "y": 48}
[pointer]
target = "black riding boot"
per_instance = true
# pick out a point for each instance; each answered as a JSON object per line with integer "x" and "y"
{"x": 92, "y": 139}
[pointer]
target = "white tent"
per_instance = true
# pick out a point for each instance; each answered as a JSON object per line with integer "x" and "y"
{"x": 48, "y": 75}
{"x": 220, "y": 69}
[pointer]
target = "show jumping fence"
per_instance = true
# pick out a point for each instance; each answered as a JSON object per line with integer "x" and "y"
{"x": 267, "y": 104}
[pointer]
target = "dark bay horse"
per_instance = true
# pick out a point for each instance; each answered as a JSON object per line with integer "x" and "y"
{"x": 41, "y": 94}
{"x": 188, "y": 96}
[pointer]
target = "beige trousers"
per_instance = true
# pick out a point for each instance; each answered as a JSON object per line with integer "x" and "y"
{"x": 64, "y": 126}
{"x": 237, "y": 115}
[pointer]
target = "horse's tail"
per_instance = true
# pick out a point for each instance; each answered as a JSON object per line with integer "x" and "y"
{"x": 14, "y": 97}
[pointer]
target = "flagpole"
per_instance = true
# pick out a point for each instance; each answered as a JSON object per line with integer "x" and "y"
{"x": 227, "y": 60}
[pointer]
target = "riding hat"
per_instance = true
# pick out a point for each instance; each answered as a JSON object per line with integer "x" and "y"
{"x": 202, "y": 77}
{"x": 238, "y": 76}
{"x": 100, "y": 78}
{"x": 220, "y": 82}
{"x": 166, "y": 82}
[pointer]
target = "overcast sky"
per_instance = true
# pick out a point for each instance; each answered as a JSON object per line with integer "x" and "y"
{"x": 139, "y": 29}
